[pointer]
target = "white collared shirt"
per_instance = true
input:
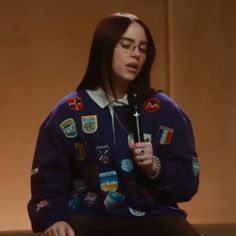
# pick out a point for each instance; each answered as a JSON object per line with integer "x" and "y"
{"x": 99, "y": 96}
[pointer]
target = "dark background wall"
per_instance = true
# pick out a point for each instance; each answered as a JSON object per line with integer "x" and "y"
{"x": 43, "y": 54}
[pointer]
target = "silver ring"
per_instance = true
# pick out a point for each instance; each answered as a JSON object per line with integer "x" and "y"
{"x": 141, "y": 152}
{"x": 141, "y": 158}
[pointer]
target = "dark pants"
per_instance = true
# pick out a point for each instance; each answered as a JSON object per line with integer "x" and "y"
{"x": 164, "y": 226}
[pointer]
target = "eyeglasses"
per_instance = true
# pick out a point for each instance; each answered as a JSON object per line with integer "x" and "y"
{"x": 128, "y": 45}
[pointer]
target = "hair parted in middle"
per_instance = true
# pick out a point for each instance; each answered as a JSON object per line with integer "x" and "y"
{"x": 106, "y": 36}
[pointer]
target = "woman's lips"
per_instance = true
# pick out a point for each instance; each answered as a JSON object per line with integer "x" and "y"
{"x": 132, "y": 67}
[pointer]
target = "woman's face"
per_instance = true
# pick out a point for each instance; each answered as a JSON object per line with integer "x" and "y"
{"x": 129, "y": 54}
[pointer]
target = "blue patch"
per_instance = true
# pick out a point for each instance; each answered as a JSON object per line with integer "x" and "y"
{"x": 74, "y": 202}
{"x": 113, "y": 199}
{"x": 127, "y": 165}
{"x": 195, "y": 166}
{"x": 108, "y": 181}
{"x": 80, "y": 186}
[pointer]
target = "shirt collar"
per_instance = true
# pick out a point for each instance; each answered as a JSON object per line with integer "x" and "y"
{"x": 99, "y": 96}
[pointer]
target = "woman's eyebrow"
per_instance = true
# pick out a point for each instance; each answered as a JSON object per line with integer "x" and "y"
{"x": 127, "y": 38}
{"x": 132, "y": 40}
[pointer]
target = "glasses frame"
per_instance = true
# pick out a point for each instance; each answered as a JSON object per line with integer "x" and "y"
{"x": 129, "y": 45}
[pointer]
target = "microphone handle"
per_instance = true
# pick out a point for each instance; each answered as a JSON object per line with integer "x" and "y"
{"x": 138, "y": 135}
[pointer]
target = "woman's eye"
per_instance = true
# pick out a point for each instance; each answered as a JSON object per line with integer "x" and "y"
{"x": 143, "y": 47}
{"x": 126, "y": 44}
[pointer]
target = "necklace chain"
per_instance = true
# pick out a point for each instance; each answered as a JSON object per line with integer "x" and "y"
{"x": 120, "y": 123}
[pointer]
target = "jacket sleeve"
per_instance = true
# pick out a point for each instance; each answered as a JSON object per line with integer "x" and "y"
{"x": 51, "y": 173}
{"x": 179, "y": 178}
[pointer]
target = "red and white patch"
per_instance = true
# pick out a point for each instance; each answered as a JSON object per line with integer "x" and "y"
{"x": 152, "y": 105}
{"x": 75, "y": 103}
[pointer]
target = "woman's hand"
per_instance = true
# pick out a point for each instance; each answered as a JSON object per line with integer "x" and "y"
{"x": 59, "y": 228}
{"x": 143, "y": 156}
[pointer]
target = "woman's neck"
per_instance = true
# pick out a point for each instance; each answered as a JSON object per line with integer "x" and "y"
{"x": 119, "y": 91}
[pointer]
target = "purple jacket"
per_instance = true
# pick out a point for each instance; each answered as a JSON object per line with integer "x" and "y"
{"x": 82, "y": 162}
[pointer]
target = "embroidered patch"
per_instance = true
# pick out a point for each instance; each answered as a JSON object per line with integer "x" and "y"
{"x": 136, "y": 212}
{"x": 34, "y": 171}
{"x": 79, "y": 185}
{"x": 127, "y": 165}
{"x": 113, "y": 199}
{"x": 165, "y": 134}
{"x": 108, "y": 181}
{"x": 147, "y": 138}
{"x": 41, "y": 204}
{"x": 130, "y": 138}
{"x": 89, "y": 124}
{"x": 103, "y": 154}
{"x": 74, "y": 202}
{"x": 69, "y": 128}
{"x": 75, "y": 103}
{"x": 90, "y": 198}
{"x": 152, "y": 105}
{"x": 80, "y": 151}
{"x": 195, "y": 166}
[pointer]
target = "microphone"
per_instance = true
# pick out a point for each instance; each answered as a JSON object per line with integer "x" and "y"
{"x": 134, "y": 100}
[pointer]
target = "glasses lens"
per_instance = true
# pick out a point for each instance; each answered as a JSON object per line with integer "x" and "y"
{"x": 126, "y": 44}
{"x": 129, "y": 46}
{"x": 143, "y": 47}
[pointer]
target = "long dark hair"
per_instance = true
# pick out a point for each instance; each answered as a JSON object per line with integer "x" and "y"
{"x": 99, "y": 70}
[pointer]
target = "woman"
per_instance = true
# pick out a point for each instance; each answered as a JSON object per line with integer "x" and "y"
{"x": 94, "y": 171}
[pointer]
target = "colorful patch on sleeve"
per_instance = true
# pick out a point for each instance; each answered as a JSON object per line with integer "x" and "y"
{"x": 34, "y": 171}
{"x": 80, "y": 186}
{"x": 41, "y": 204}
{"x": 74, "y": 202}
{"x": 108, "y": 181}
{"x": 127, "y": 165}
{"x": 136, "y": 212}
{"x": 165, "y": 134}
{"x": 103, "y": 154}
{"x": 130, "y": 138}
{"x": 68, "y": 127}
{"x": 75, "y": 103}
{"x": 147, "y": 138}
{"x": 152, "y": 105}
{"x": 80, "y": 151}
{"x": 90, "y": 199}
{"x": 89, "y": 124}
{"x": 113, "y": 199}
{"x": 195, "y": 166}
